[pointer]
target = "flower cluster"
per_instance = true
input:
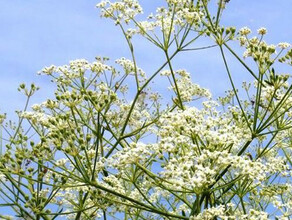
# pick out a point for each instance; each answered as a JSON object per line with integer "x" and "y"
{"x": 124, "y": 10}
{"x": 102, "y": 148}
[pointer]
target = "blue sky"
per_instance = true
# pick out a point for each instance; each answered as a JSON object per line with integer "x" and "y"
{"x": 35, "y": 34}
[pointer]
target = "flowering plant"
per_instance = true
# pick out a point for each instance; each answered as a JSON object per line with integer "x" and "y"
{"x": 108, "y": 146}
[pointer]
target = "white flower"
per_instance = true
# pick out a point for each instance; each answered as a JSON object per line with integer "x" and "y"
{"x": 244, "y": 31}
{"x": 284, "y": 45}
{"x": 262, "y": 31}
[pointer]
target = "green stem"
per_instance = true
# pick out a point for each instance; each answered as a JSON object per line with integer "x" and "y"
{"x": 234, "y": 88}
{"x": 174, "y": 80}
{"x": 241, "y": 61}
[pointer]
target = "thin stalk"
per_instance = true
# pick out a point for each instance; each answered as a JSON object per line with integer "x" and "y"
{"x": 267, "y": 109}
{"x": 282, "y": 102}
{"x": 174, "y": 80}
{"x": 234, "y": 88}
{"x": 257, "y": 101}
{"x": 218, "y": 13}
{"x": 143, "y": 206}
{"x": 199, "y": 48}
{"x": 241, "y": 61}
{"x": 134, "y": 102}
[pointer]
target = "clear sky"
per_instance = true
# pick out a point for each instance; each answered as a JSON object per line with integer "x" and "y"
{"x": 37, "y": 33}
